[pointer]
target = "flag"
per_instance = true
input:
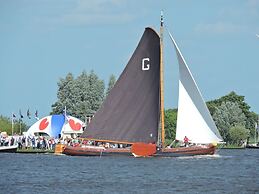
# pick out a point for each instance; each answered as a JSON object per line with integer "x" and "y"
{"x": 65, "y": 113}
{"x": 20, "y": 113}
{"x": 36, "y": 115}
{"x": 13, "y": 117}
{"x": 28, "y": 114}
{"x": 161, "y": 19}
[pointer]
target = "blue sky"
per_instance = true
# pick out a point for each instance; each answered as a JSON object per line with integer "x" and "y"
{"x": 41, "y": 41}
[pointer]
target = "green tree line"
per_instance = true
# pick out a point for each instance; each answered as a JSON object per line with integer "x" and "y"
{"x": 6, "y": 125}
{"x": 83, "y": 95}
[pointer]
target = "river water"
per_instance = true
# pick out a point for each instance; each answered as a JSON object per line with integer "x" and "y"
{"x": 229, "y": 171}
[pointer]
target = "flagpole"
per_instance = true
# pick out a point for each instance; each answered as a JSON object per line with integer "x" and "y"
{"x": 20, "y": 128}
{"x": 20, "y": 120}
{"x": 12, "y": 123}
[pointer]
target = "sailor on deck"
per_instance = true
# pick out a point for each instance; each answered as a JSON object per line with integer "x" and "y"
{"x": 186, "y": 141}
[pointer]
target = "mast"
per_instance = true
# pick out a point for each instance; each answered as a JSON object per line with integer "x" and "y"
{"x": 162, "y": 82}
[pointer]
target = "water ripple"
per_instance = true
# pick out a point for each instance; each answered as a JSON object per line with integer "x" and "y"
{"x": 230, "y": 171}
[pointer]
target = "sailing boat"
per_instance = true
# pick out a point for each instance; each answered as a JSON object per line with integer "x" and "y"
{"x": 193, "y": 119}
{"x": 130, "y": 114}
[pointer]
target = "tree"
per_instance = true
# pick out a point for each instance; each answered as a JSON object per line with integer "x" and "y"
{"x": 250, "y": 122}
{"x": 240, "y": 100}
{"x": 6, "y": 125}
{"x": 170, "y": 124}
{"x": 228, "y": 115}
{"x": 81, "y": 96}
{"x": 111, "y": 83}
{"x": 238, "y": 134}
{"x": 95, "y": 93}
{"x": 65, "y": 95}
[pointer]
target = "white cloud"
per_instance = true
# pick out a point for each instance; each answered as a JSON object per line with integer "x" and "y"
{"x": 253, "y": 6}
{"x": 233, "y": 18}
{"x": 219, "y": 28}
{"x": 253, "y": 3}
{"x": 248, "y": 9}
{"x": 97, "y": 12}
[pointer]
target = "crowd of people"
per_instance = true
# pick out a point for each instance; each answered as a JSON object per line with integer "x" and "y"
{"x": 49, "y": 143}
{"x": 83, "y": 142}
{"x": 24, "y": 142}
{"x": 7, "y": 140}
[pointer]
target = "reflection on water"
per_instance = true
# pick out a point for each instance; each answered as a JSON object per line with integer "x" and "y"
{"x": 229, "y": 171}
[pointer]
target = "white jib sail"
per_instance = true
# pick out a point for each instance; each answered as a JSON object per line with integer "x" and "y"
{"x": 193, "y": 118}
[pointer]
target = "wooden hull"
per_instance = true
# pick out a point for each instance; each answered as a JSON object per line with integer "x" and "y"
{"x": 167, "y": 152}
{"x": 10, "y": 149}
{"x": 187, "y": 151}
{"x": 96, "y": 151}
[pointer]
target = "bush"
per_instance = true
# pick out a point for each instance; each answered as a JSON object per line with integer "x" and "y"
{"x": 238, "y": 134}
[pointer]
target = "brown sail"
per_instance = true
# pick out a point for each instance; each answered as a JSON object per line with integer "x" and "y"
{"x": 130, "y": 112}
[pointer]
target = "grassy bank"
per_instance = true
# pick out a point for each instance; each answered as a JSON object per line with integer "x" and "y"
{"x": 230, "y": 147}
{"x": 34, "y": 151}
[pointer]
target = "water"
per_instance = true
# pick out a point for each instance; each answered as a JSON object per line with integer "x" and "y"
{"x": 231, "y": 171}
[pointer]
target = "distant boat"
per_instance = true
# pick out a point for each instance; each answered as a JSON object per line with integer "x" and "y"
{"x": 252, "y": 146}
{"x": 8, "y": 148}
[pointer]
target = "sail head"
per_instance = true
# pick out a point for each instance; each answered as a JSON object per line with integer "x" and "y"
{"x": 130, "y": 112}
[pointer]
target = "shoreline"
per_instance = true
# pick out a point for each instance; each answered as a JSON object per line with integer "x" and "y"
{"x": 34, "y": 151}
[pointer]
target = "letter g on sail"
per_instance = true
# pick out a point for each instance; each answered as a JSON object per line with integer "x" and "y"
{"x": 145, "y": 64}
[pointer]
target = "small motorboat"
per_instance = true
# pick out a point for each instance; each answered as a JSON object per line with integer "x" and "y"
{"x": 10, "y": 149}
